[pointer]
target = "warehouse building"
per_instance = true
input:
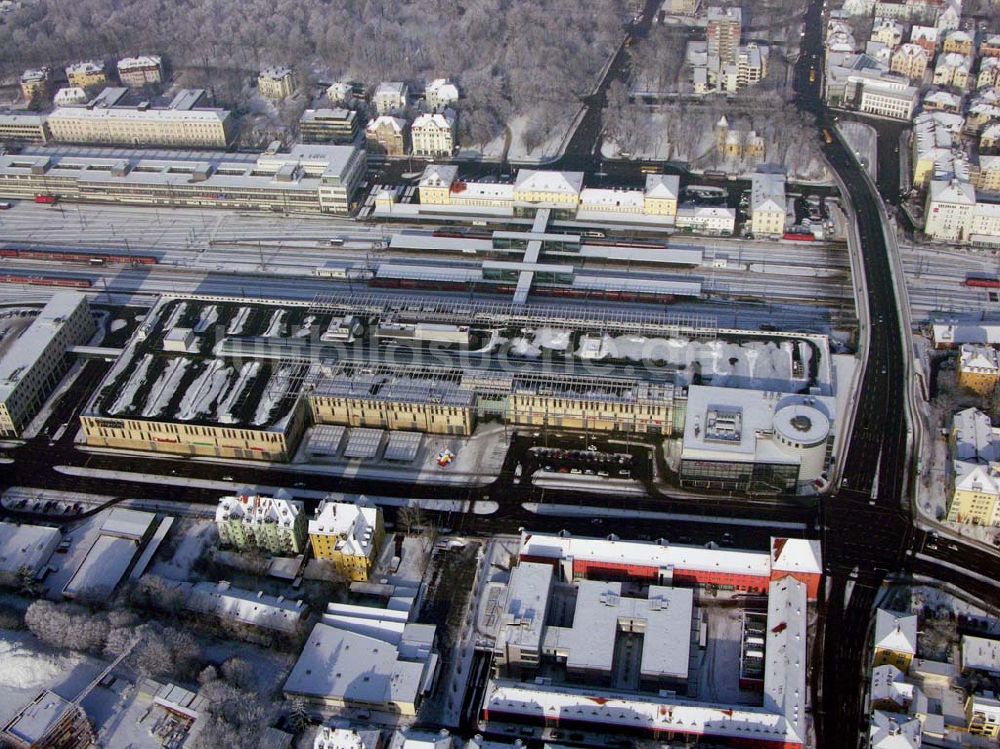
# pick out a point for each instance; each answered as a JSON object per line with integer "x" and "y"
{"x": 33, "y": 364}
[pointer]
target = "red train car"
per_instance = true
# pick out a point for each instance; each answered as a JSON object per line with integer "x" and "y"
{"x": 71, "y": 283}
{"x": 983, "y": 281}
{"x": 46, "y": 199}
{"x": 76, "y": 256}
{"x": 799, "y": 236}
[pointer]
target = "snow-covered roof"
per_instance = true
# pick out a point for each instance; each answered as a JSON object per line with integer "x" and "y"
{"x": 888, "y": 683}
{"x": 353, "y": 524}
{"x": 244, "y": 606}
{"x": 396, "y": 89}
{"x": 28, "y": 546}
{"x": 32, "y": 345}
{"x": 785, "y": 654}
{"x": 667, "y": 186}
{"x": 734, "y": 424}
{"x": 333, "y": 737}
{"x": 896, "y": 631}
{"x": 523, "y": 621}
{"x": 544, "y": 180}
{"x": 975, "y": 477}
{"x": 132, "y": 524}
{"x": 35, "y": 76}
{"x": 546, "y": 546}
{"x": 275, "y": 72}
{"x": 976, "y": 440}
{"x": 254, "y": 510}
{"x": 396, "y": 123}
{"x": 607, "y": 710}
{"x": 981, "y": 654}
{"x": 950, "y": 334}
{"x": 979, "y": 359}
{"x": 604, "y": 198}
{"x": 438, "y": 175}
{"x": 443, "y": 90}
{"x": 894, "y": 731}
{"x": 589, "y": 644}
{"x": 102, "y": 569}
{"x": 139, "y": 63}
{"x": 796, "y": 555}
{"x": 123, "y": 114}
{"x": 35, "y": 720}
{"x": 69, "y": 95}
{"x": 87, "y": 67}
{"x": 953, "y": 191}
{"x": 336, "y": 664}
{"x": 767, "y": 191}
{"x": 438, "y": 121}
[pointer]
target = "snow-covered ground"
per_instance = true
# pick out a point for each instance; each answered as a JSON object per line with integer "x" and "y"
{"x": 27, "y": 667}
{"x": 191, "y": 538}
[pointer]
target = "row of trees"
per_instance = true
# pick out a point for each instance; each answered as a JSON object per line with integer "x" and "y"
{"x": 517, "y": 56}
{"x": 158, "y": 650}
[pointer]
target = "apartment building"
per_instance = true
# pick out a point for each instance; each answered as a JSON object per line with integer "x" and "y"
{"x": 33, "y": 364}
{"x": 388, "y": 135}
{"x": 140, "y": 71}
{"x": 271, "y": 524}
{"x": 958, "y": 42}
{"x": 276, "y": 82}
{"x": 177, "y": 125}
{"x": 23, "y": 127}
{"x": 949, "y": 211}
{"x": 895, "y": 639}
{"x": 660, "y": 195}
{"x": 440, "y": 94}
{"x": 888, "y": 31}
{"x": 767, "y": 203}
{"x": 433, "y": 134}
{"x": 69, "y": 96}
{"x": 751, "y": 65}
{"x": 86, "y": 74}
{"x": 925, "y": 36}
{"x": 723, "y": 33}
{"x": 978, "y": 368}
{"x": 952, "y": 70}
{"x": 990, "y": 46}
{"x": 909, "y": 60}
{"x": 348, "y": 535}
{"x": 35, "y": 83}
{"x": 975, "y": 448}
{"x": 707, "y": 219}
{"x": 328, "y": 126}
{"x": 390, "y": 97}
{"x": 989, "y": 72}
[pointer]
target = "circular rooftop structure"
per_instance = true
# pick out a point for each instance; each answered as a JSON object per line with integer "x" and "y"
{"x": 801, "y": 425}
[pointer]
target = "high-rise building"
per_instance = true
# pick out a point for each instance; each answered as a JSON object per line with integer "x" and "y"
{"x": 723, "y": 33}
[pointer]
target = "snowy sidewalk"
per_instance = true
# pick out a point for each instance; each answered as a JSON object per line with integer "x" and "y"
{"x": 229, "y": 487}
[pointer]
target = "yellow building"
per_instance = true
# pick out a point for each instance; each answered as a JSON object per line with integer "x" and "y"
{"x": 958, "y": 42}
{"x": 660, "y": 195}
{"x": 895, "y": 639}
{"x": 976, "y": 495}
{"x": 982, "y": 712}
{"x": 276, "y": 82}
{"x": 35, "y": 83}
{"x": 587, "y": 404}
{"x": 978, "y": 368}
{"x": 348, "y": 535}
{"x": 86, "y": 74}
{"x": 435, "y": 184}
{"x": 276, "y": 443}
{"x": 385, "y": 400}
{"x": 534, "y": 188}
